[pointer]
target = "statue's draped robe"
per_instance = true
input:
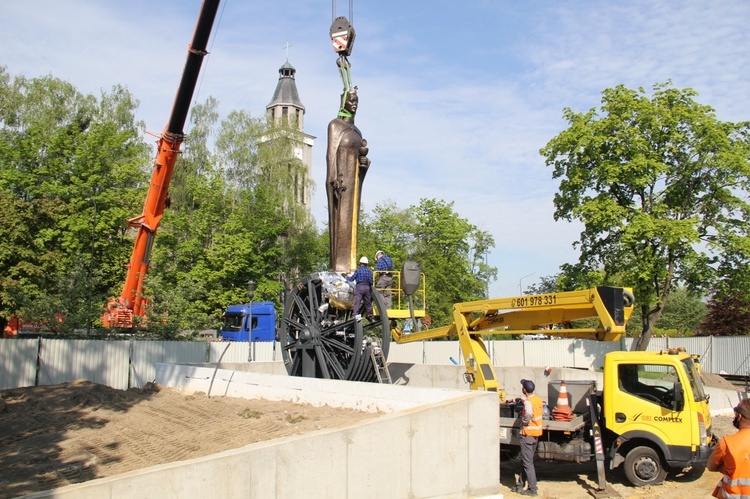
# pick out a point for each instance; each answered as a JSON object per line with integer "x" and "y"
{"x": 344, "y": 188}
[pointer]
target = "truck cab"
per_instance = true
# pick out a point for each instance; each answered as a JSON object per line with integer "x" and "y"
{"x": 236, "y": 322}
{"x": 655, "y": 414}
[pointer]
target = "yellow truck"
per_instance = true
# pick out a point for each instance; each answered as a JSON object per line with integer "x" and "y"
{"x": 650, "y": 416}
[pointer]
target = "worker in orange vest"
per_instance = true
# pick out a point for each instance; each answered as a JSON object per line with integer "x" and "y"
{"x": 732, "y": 457}
{"x": 531, "y": 430}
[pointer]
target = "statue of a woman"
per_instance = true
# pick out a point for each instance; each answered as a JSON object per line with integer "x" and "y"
{"x": 347, "y": 164}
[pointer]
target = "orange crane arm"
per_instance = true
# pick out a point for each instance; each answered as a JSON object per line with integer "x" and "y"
{"x": 120, "y": 311}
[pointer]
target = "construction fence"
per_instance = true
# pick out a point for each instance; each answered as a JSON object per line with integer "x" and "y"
{"x": 130, "y": 363}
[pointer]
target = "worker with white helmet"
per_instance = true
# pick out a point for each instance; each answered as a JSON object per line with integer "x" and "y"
{"x": 363, "y": 279}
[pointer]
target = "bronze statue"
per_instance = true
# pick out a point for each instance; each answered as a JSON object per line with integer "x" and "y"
{"x": 347, "y": 164}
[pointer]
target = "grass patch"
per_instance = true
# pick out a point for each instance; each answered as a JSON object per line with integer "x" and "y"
{"x": 251, "y": 414}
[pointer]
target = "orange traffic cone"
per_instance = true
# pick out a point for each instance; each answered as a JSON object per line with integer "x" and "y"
{"x": 562, "y": 411}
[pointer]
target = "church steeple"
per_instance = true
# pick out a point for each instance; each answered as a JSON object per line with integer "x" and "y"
{"x": 286, "y": 103}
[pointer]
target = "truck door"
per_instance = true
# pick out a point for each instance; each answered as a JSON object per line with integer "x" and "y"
{"x": 644, "y": 401}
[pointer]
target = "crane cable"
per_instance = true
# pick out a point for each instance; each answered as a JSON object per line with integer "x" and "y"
{"x": 342, "y": 36}
{"x": 208, "y": 55}
{"x": 351, "y": 10}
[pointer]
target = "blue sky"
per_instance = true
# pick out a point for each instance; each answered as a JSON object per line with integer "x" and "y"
{"x": 456, "y": 98}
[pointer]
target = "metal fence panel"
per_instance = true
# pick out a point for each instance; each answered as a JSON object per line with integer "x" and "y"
{"x": 408, "y": 353}
{"x": 18, "y": 362}
{"x": 658, "y": 343}
{"x": 506, "y": 353}
{"x": 552, "y": 353}
{"x": 100, "y": 361}
{"x": 227, "y": 351}
{"x": 107, "y": 362}
{"x": 734, "y": 355}
{"x": 700, "y": 345}
{"x": 265, "y": 351}
{"x": 239, "y": 351}
{"x": 589, "y": 354}
{"x": 441, "y": 352}
{"x": 146, "y": 354}
{"x": 655, "y": 343}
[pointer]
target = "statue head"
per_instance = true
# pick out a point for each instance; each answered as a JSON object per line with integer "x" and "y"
{"x": 349, "y": 104}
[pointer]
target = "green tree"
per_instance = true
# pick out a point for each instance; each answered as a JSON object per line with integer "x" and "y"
{"x": 68, "y": 167}
{"x": 546, "y": 284}
{"x": 450, "y": 250}
{"x": 683, "y": 312}
{"x": 661, "y": 186}
{"x": 235, "y": 216}
{"x": 388, "y": 228}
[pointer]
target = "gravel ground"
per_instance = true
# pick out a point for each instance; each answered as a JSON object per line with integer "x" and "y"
{"x": 57, "y": 435}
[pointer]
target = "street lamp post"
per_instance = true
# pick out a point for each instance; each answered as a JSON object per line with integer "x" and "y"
{"x": 251, "y": 286}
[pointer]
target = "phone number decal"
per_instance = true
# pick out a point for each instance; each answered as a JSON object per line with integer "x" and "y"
{"x": 533, "y": 301}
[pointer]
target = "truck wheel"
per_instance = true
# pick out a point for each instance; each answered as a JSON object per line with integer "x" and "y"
{"x": 643, "y": 467}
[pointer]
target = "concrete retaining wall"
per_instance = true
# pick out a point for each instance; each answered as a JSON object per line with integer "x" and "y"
{"x": 436, "y": 439}
{"x": 431, "y": 443}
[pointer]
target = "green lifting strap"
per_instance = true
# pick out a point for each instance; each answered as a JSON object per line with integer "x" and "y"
{"x": 346, "y": 78}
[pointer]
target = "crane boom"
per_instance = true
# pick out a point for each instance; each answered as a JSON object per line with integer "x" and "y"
{"x": 131, "y": 302}
{"x": 550, "y": 313}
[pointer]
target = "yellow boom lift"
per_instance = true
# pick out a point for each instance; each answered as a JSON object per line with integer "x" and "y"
{"x": 551, "y": 313}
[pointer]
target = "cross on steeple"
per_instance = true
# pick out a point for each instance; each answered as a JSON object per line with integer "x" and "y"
{"x": 287, "y": 50}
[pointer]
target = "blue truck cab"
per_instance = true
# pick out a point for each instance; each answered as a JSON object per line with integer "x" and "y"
{"x": 235, "y": 325}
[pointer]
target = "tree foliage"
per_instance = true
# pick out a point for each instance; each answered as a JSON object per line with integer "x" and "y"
{"x": 683, "y": 313}
{"x": 451, "y": 251}
{"x": 74, "y": 168}
{"x": 234, "y": 217}
{"x": 70, "y": 166}
{"x": 661, "y": 186}
{"x": 728, "y": 315}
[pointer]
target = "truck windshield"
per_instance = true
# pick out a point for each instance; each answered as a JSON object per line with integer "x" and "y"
{"x": 232, "y": 322}
{"x": 695, "y": 381}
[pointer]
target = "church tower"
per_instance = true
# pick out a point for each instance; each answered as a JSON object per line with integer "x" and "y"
{"x": 286, "y": 105}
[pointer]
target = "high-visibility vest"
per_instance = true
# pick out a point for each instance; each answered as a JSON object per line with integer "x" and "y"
{"x": 534, "y": 427}
{"x": 736, "y": 483}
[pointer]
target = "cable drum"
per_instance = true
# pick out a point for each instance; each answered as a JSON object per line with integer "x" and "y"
{"x": 321, "y": 336}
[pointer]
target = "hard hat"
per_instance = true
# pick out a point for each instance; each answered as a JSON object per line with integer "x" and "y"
{"x": 364, "y": 260}
{"x": 380, "y": 252}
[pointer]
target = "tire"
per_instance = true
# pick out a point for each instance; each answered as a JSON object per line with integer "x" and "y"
{"x": 643, "y": 466}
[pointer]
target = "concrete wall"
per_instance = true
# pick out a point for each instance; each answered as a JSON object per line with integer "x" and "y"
{"x": 434, "y": 376}
{"x": 430, "y": 437}
{"x": 431, "y": 443}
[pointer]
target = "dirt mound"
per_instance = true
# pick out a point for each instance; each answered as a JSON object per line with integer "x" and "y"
{"x": 716, "y": 381}
{"x": 58, "y": 435}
